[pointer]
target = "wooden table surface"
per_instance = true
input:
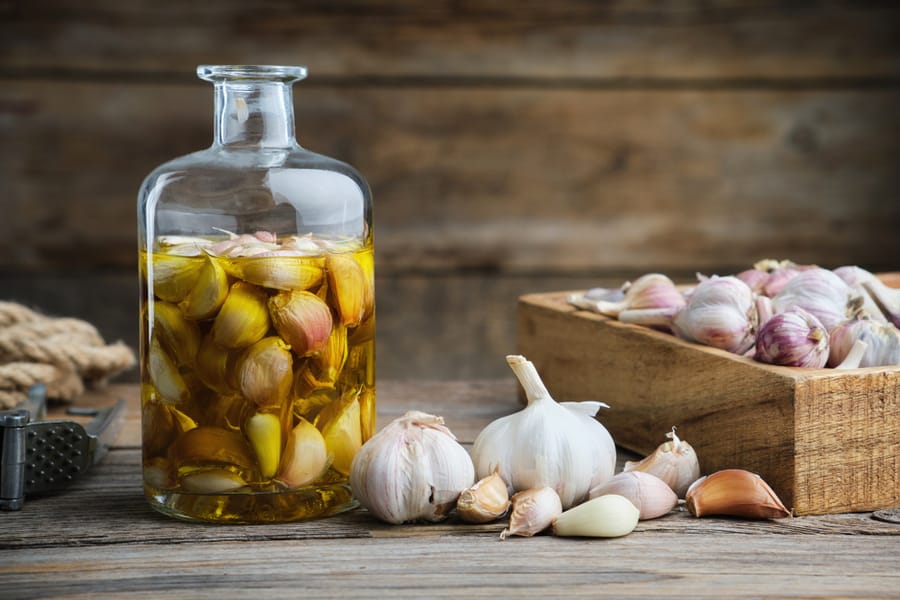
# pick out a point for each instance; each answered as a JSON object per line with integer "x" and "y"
{"x": 101, "y": 539}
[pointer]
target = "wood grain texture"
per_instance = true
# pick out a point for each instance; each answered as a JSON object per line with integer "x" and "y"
{"x": 100, "y": 539}
{"x": 825, "y": 440}
{"x": 492, "y": 180}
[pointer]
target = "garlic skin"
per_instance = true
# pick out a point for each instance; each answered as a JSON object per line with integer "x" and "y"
{"x": 882, "y": 341}
{"x": 721, "y": 313}
{"x": 650, "y": 495}
{"x": 411, "y": 470}
{"x": 546, "y": 444}
{"x": 674, "y": 462}
{"x": 795, "y": 339}
{"x": 652, "y": 290}
{"x": 822, "y": 293}
{"x": 486, "y": 501}
{"x": 606, "y": 516}
{"x": 736, "y": 493}
{"x": 879, "y": 301}
{"x": 533, "y": 511}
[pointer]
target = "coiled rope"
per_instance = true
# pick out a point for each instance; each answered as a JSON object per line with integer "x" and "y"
{"x": 65, "y": 354}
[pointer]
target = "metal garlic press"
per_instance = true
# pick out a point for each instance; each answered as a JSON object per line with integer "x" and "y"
{"x": 39, "y": 456}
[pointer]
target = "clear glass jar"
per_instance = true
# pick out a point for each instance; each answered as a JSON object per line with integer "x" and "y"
{"x": 257, "y": 316}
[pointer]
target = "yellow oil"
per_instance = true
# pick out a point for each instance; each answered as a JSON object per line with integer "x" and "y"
{"x": 226, "y": 337}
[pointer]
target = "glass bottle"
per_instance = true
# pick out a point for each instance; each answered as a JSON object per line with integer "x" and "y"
{"x": 257, "y": 316}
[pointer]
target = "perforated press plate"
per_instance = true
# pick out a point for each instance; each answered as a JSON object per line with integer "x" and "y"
{"x": 56, "y": 452}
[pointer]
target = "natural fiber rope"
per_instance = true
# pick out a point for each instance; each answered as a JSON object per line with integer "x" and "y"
{"x": 62, "y": 353}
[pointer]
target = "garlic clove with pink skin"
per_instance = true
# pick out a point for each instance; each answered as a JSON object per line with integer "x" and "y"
{"x": 651, "y": 495}
{"x": 822, "y": 293}
{"x": 879, "y": 301}
{"x": 675, "y": 462}
{"x": 795, "y": 339}
{"x": 882, "y": 342}
{"x": 652, "y": 290}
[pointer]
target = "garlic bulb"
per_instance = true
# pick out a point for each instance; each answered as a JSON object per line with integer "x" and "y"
{"x": 882, "y": 342}
{"x": 720, "y": 312}
{"x": 411, "y": 470}
{"x": 794, "y": 338}
{"x": 822, "y": 293}
{"x": 651, "y": 495}
{"x": 652, "y": 290}
{"x": 546, "y": 443}
{"x": 605, "y": 516}
{"x": 768, "y": 276}
{"x": 674, "y": 462}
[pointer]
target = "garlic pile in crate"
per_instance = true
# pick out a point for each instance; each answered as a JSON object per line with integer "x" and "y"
{"x": 779, "y": 312}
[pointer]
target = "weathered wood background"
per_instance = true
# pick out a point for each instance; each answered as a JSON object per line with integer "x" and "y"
{"x": 512, "y": 147}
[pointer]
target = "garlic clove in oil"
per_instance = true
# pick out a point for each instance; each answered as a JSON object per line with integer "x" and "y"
{"x": 350, "y": 287}
{"x": 486, "y": 501}
{"x": 411, "y": 470}
{"x": 243, "y": 319}
{"x": 264, "y": 372}
{"x": 734, "y": 492}
{"x": 305, "y": 456}
{"x": 208, "y": 293}
{"x": 675, "y": 462}
{"x": 281, "y": 272}
{"x": 794, "y": 338}
{"x": 302, "y": 319}
{"x": 650, "y": 495}
{"x": 264, "y": 432}
{"x": 533, "y": 511}
{"x": 606, "y": 516}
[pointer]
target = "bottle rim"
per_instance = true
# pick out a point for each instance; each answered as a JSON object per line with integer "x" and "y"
{"x": 284, "y": 74}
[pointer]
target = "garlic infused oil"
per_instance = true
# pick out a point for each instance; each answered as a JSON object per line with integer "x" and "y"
{"x": 257, "y": 316}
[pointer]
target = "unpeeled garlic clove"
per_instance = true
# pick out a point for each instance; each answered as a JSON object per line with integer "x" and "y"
{"x": 165, "y": 375}
{"x": 281, "y": 272}
{"x": 244, "y": 317}
{"x": 175, "y": 276}
{"x": 652, "y": 290}
{"x": 209, "y": 292}
{"x": 264, "y": 432}
{"x": 605, "y": 516}
{"x": 305, "y": 456}
{"x": 734, "y": 492}
{"x": 211, "y": 481}
{"x": 486, "y": 501}
{"x": 302, "y": 319}
{"x": 882, "y": 343}
{"x": 794, "y": 338}
{"x": 533, "y": 510}
{"x": 651, "y": 495}
{"x": 341, "y": 428}
{"x": 264, "y": 372}
{"x": 331, "y": 359}
{"x": 349, "y": 286}
{"x": 674, "y": 462}
{"x": 178, "y": 336}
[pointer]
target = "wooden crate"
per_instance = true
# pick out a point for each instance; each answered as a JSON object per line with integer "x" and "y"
{"x": 827, "y": 441}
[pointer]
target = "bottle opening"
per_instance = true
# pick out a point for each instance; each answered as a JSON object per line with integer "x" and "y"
{"x": 284, "y": 74}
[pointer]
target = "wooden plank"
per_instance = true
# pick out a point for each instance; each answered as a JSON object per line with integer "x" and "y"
{"x": 627, "y": 180}
{"x": 505, "y": 41}
{"x": 825, "y": 440}
{"x": 100, "y": 539}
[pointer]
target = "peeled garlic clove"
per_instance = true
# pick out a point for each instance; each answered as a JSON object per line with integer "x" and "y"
{"x": 533, "y": 510}
{"x": 305, "y": 456}
{"x": 342, "y": 431}
{"x": 281, "y": 272}
{"x": 674, "y": 462}
{"x": 349, "y": 286}
{"x": 206, "y": 444}
{"x": 720, "y": 312}
{"x": 413, "y": 469}
{"x": 605, "y": 516}
{"x": 486, "y": 501}
{"x": 651, "y": 495}
{"x": 264, "y": 372}
{"x": 822, "y": 293}
{"x": 165, "y": 375}
{"x": 367, "y": 416}
{"x": 211, "y": 481}
{"x": 795, "y": 339}
{"x": 208, "y": 294}
{"x": 734, "y": 492}
{"x": 302, "y": 319}
{"x": 177, "y": 335}
{"x": 244, "y": 317}
{"x": 175, "y": 276}
{"x": 157, "y": 473}
{"x": 264, "y": 432}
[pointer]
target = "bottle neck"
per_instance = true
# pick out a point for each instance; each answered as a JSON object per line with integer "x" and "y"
{"x": 258, "y": 114}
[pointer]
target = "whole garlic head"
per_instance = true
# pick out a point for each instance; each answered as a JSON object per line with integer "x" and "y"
{"x": 546, "y": 444}
{"x": 822, "y": 293}
{"x": 794, "y": 338}
{"x": 721, "y": 313}
{"x": 413, "y": 469}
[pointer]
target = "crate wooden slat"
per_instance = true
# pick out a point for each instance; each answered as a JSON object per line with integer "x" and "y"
{"x": 827, "y": 441}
